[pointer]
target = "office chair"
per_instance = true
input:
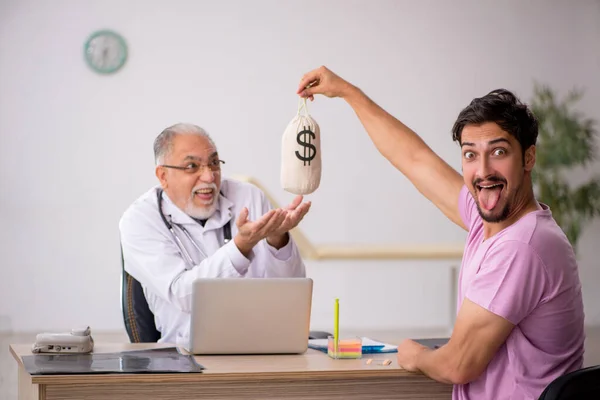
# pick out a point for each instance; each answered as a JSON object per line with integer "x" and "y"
{"x": 138, "y": 319}
{"x": 582, "y": 384}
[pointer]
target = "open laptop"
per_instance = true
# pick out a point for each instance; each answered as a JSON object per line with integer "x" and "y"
{"x": 250, "y": 315}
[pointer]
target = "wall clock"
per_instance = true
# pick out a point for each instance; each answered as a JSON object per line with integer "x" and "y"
{"x": 105, "y": 51}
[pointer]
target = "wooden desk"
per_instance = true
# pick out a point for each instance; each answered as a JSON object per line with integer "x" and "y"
{"x": 312, "y": 375}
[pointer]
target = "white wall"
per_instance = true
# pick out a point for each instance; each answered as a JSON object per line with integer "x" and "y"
{"x": 76, "y": 147}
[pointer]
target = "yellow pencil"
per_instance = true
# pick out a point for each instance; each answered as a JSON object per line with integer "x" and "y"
{"x": 336, "y": 324}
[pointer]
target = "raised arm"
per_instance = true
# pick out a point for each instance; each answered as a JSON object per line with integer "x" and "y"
{"x": 431, "y": 175}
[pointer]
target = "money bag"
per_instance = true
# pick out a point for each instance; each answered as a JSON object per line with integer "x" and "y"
{"x": 301, "y": 153}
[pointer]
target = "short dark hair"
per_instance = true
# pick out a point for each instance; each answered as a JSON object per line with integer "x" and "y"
{"x": 505, "y": 109}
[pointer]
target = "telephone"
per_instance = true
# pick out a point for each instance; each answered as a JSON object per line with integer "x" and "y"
{"x": 78, "y": 341}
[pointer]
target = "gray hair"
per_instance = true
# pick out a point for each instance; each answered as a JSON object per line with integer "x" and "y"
{"x": 163, "y": 144}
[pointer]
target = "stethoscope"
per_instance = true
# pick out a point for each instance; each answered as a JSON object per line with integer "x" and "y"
{"x": 184, "y": 252}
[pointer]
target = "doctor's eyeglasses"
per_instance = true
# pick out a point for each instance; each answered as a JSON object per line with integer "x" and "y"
{"x": 194, "y": 167}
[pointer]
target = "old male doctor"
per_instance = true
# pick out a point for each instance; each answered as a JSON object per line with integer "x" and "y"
{"x": 204, "y": 211}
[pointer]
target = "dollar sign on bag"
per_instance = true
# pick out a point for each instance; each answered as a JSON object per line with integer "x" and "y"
{"x": 304, "y": 139}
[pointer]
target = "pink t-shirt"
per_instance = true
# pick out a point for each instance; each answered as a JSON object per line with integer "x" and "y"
{"x": 527, "y": 274}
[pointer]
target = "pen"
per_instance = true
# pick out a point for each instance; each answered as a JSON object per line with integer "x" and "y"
{"x": 336, "y": 325}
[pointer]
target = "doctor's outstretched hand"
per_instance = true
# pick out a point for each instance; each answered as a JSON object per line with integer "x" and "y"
{"x": 273, "y": 226}
{"x": 323, "y": 81}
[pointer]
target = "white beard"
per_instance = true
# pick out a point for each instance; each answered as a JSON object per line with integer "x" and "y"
{"x": 203, "y": 212}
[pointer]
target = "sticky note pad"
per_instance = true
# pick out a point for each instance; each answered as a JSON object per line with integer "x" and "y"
{"x": 346, "y": 348}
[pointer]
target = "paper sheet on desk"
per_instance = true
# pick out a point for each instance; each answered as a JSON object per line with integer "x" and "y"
{"x": 158, "y": 361}
{"x": 369, "y": 346}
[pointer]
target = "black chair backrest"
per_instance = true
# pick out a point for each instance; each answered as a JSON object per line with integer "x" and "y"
{"x": 139, "y": 320}
{"x": 582, "y": 384}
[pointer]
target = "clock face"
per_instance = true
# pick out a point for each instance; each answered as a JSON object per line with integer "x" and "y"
{"x": 105, "y": 52}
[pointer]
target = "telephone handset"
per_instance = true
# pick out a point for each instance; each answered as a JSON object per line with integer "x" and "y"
{"x": 77, "y": 341}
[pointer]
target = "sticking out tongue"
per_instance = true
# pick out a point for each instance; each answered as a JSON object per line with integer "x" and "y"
{"x": 488, "y": 198}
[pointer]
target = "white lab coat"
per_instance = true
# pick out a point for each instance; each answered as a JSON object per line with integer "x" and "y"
{"x": 153, "y": 258}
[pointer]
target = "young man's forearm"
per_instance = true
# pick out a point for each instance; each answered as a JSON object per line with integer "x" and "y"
{"x": 444, "y": 366}
{"x": 430, "y": 364}
{"x": 430, "y": 175}
{"x": 394, "y": 140}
